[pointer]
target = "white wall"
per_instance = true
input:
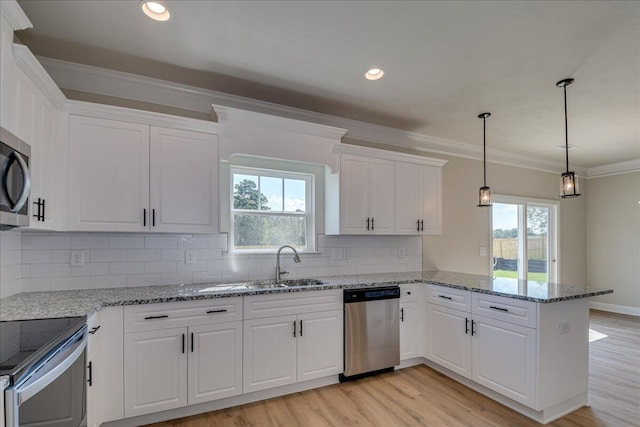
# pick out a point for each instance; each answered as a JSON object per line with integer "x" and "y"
{"x": 613, "y": 228}
{"x": 117, "y": 260}
{"x": 10, "y": 262}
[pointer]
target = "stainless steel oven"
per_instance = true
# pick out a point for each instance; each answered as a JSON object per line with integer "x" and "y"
{"x": 47, "y": 375}
{"x": 15, "y": 181}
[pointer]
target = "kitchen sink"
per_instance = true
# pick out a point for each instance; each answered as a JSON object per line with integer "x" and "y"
{"x": 285, "y": 284}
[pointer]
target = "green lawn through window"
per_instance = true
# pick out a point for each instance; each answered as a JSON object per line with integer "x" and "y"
{"x": 540, "y": 277}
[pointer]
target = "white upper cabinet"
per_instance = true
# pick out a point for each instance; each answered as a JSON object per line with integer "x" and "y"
{"x": 418, "y": 207}
{"x": 366, "y": 195}
{"x": 133, "y": 177}
{"x": 381, "y": 192}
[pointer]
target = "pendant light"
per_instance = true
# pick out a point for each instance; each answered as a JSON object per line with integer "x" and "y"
{"x": 484, "y": 198}
{"x": 568, "y": 180}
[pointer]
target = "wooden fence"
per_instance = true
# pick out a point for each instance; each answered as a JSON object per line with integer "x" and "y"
{"x": 508, "y": 248}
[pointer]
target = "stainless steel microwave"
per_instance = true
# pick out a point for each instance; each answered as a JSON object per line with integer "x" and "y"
{"x": 16, "y": 181}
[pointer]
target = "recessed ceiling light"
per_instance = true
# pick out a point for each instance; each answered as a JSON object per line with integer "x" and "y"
{"x": 374, "y": 74}
{"x": 155, "y": 10}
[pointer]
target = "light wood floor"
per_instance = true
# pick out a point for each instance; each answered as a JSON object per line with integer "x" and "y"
{"x": 420, "y": 396}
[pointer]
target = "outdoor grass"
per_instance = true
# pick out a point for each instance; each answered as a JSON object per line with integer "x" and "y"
{"x": 540, "y": 277}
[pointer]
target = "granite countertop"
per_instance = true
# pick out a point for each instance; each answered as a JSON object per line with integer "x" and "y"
{"x": 55, "y": 304}
{"x": 4, "y": 382}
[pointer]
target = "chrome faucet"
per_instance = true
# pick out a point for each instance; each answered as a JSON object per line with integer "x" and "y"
{"x": 296, "y": 258}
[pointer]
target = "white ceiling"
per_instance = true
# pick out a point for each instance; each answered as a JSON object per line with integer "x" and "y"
{"x": 444, "y": 61}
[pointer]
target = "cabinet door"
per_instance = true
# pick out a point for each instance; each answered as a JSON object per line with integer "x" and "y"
{"x": 449, "y": 343}
{"x": 409, "y": 197}
{"x": 320, "y": 344}
{"x": 155, "y": 371}
{"x": 215, "y": 361}
{"x": 269, "y": 353}
{"x": 184, "y": 181}
{"x": 382, "y": 196}
{"x": 504, "y": 359}
{"x": 410, "y": 330}
{"x": 108, "y": 175}
{"x": 432, "y": 200}
{"x": 354, "y": 194}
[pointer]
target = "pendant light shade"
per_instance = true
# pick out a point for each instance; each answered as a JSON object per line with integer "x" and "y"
{"x": 568, "y": 179}
{"x": 484, "y": 197}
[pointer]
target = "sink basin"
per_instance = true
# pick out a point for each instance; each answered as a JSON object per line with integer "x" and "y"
{"x": 285, "y": 284}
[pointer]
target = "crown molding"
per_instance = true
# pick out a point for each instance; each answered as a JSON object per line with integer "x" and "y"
{"x": 34, "y": 70}
{"x": 377, "y": 153}
{"x": 629, "y": 166}
{"x": 15, "y": 16}
{"x": 119, "y": 84}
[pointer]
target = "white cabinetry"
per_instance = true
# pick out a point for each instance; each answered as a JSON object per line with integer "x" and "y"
{"x": 411, "y": 321}
{"x": 418, "y": 205}
{"x": 382, "y": 192}
{"x": 29, "y": 112}
{"x": 133, "y": 177}
{"x": 497, "y": 352}
{"x": 179, "y": 354}
{"x": 366, "y": 195}
{"x": 291, "y": 338}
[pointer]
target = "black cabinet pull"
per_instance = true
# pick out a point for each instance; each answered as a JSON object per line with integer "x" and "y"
{"x": 90, "y": 368}
{"x": 402, "y": 314}
{"x": 183, "y": 343}
{"x": 301, "y": 328}
{"x": 223, "y": 310}
{"x": 422, "y": 225}
{"x": 408, "y": 292}
{"x": 144, "y": 217}
{"x": 372, "y": 227}
{"x": 43, "y": 209}
{"x": 466, "y": 325}
{"x": 498, "y": 308}
{"x": 94, "y": 330}
{"x": 162, "y": 316}
{"x": 40, "y": 204}
{"x": 445, "y": 297}
{"x": 367, "y": 223}
{"x": 153, "y": 217}
{"x": 294, "y": 328}
{"x": 191, "y": 342}
{"x": 418, "y": 226}
{"x": 473, "y": 330}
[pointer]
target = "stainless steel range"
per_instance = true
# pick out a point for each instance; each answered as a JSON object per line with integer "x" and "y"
{"x": 45, "y": 362}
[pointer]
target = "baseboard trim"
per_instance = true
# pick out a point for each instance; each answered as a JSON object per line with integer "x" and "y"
{"x": 615, "y": 308}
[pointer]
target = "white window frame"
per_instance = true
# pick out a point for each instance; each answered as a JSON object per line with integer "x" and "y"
{"x": 309, "y": 213}
{"x": 553, "y": 243}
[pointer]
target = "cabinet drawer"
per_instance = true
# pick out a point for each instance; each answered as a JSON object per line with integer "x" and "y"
{"x": 457, "y": 299}
{"x": 518, "y": 312}
{"x": 256, "y": 306}
{"x": 410, "y": 291}
{"x": 147, "y": 317}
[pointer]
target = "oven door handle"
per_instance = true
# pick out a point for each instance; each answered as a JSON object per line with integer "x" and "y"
{"x": 50, "y": 370}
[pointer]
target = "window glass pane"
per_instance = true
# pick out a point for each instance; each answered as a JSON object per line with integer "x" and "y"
{"x": 269, "y": 232}
{"x": 271, "y": 188}
{"x": 505, "y": 240}
{"x": 294, "y": 195}
{"x": 537, "y": 243}
{"x": 246, "y": 194}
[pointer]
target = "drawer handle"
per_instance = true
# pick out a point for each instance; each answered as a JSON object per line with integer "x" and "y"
{"x": 445, "y": 297}
{"x": 498, "y": 308}
{"x": 223, "y": 310}
{"x": 162, "y": 316}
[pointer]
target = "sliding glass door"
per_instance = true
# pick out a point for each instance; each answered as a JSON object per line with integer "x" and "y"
{"x": 524, "y": 239}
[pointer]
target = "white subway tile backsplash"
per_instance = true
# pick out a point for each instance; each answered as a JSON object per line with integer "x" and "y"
{"x": 108, "y": 255}
{"x": 163, "y": 242}
{"x": 117, "y": 260}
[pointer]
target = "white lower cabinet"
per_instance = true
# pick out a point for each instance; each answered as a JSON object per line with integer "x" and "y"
{"x": 170, "y": 367}
{"x": 411, "y": 322}
{"x": 291, "y": 337}
{"x": 495, "y": 353}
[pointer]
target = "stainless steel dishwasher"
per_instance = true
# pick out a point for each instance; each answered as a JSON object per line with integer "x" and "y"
{"x": 371, "y": 331}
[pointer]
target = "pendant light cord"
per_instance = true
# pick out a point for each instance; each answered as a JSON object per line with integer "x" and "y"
{"x": 566, "y": 128}
{"x": 484, "y": 149}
